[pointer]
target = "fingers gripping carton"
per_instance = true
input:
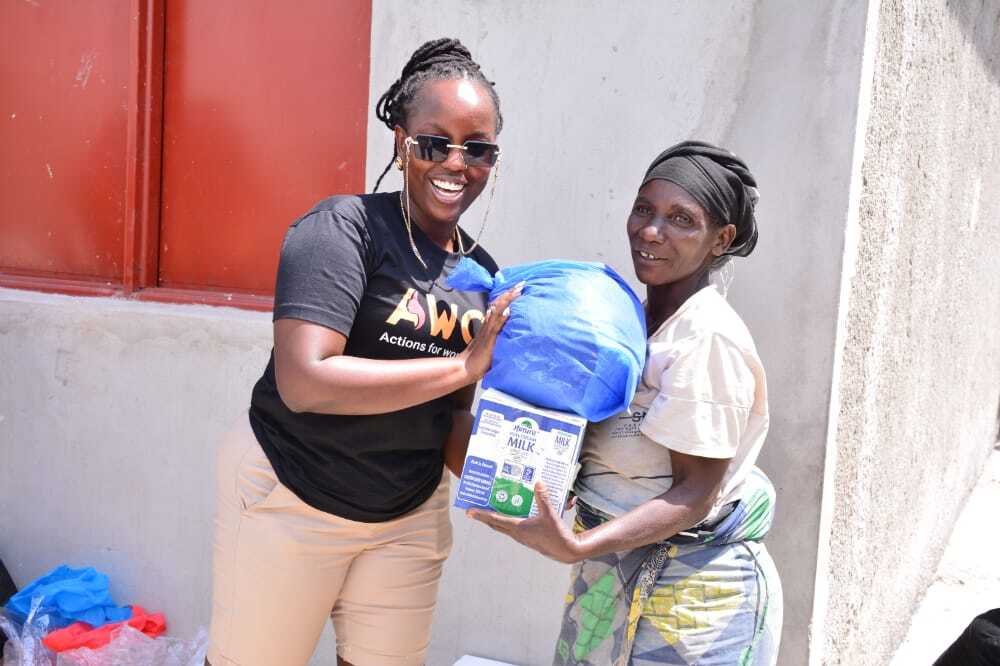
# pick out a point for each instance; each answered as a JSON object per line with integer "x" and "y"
{"x": 513, "y": 446}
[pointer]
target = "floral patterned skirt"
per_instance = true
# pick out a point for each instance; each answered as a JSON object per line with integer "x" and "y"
{"x": 704, "y": 597}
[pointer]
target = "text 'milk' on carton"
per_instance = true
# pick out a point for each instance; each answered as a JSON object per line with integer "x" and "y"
{"x": 513, "y": 446}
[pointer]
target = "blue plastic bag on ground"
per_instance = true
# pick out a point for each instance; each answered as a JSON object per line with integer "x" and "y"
{"x": 575, "y": 340}
{"x": 69, "y": 595}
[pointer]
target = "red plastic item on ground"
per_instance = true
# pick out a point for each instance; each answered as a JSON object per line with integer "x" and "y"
{"x": 81, "y": 634}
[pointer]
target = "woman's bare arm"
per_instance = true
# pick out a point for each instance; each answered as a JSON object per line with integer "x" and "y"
{"x": 696, "y": 483}
{"x": 687, "y": 503}
{"x": 461, "y": 429}
{"x": 314, "y": 375}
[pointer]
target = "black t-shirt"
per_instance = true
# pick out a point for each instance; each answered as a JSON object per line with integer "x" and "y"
{"x": 348, "y": 265}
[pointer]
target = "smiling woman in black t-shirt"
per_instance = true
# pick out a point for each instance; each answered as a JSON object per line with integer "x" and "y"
{"x": 331, "y": 496}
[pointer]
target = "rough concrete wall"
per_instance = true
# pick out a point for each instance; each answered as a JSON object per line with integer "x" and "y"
{"x": 591, "y": 92}
{"x": 920, "y": 377}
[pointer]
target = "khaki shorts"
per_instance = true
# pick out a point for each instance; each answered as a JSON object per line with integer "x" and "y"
{"x": 282, "y": 567}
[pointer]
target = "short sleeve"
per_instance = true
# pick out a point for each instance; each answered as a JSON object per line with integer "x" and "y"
{"x": 705, "y": 398}
{"x": 322, "y": 273}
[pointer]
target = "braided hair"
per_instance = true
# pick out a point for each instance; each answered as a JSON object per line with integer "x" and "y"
{"x": 436, "y": 60}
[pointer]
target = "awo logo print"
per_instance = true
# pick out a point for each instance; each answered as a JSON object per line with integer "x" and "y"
{"x": 425, "y": 310}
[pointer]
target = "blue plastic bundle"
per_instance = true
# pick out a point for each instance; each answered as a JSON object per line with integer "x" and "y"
{"x": 70, "y": 595}
{"x": 575, "y": 340}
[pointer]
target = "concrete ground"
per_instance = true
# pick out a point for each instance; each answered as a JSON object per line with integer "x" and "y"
{"x": 968, "y": 578}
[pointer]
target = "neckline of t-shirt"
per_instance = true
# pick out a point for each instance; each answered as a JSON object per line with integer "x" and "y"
{"x": 419, "y": 235}
{"x": 685, "y": 306}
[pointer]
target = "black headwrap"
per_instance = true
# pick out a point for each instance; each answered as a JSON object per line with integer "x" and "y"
{"x": 719, "y": 181}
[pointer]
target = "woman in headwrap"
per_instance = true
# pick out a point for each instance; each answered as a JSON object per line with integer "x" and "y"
{"x": 669, "y": 563}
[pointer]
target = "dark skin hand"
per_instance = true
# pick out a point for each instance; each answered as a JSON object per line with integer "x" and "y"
{"x": 673, "y": 244}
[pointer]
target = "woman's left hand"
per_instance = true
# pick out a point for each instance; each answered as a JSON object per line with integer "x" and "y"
{"x": 545, "y": 533}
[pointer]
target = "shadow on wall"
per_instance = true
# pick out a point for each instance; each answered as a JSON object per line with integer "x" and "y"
{"x": 979, "y": 21}
{"x": 998, "y": 425}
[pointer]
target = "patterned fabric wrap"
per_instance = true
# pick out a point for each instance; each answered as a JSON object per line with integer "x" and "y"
{"x": 707, "y": 596}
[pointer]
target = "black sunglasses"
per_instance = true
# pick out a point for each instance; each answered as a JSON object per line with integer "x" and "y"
{"x": 437, "y": 148}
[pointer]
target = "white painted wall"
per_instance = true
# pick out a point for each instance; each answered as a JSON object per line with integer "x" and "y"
{"x": 111, "y": 409}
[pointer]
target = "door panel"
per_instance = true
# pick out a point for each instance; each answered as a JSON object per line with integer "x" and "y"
{"x": 63, "y": 119}
{"x": 265, "y": 107}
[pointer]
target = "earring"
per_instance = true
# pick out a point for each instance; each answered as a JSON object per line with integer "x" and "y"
{"x": 399, "y": 163}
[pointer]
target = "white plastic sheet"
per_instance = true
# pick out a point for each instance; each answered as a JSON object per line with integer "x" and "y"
{"x": 130, "y": 646}
{"x": 24, "y": 642}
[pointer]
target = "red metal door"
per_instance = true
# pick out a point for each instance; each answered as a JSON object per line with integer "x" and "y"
{"x": 265, "y": 107}
{"x": 63, "y": 116}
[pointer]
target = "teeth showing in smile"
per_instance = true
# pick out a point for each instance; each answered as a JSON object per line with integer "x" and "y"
{"x": 647, "y": 255}
{"x": 447, "y": 185}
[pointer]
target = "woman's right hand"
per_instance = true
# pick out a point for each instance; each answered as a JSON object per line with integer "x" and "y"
{"x": 478, "y": 356}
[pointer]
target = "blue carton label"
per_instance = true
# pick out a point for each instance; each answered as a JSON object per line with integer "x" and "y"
{"x": 477, "y": 482}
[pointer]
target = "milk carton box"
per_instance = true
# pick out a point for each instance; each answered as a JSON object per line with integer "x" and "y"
{"x": 513, "y": 446}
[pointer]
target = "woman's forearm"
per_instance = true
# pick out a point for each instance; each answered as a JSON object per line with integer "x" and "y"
{"x": 457, "y": 443}
{"x": 678, "y": 509}
{"x": 314, "y": 375}
{"x": 684, "y": 505}
{"x": 688, "y": 501}
{"x": 353, "y": 385}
